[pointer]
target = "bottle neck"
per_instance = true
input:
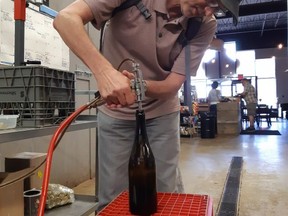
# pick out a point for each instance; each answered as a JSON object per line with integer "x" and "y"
{"x": 141, "y": 142}
{"x": 141, "y": 123}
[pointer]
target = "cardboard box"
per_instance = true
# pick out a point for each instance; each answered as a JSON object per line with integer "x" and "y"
{"x": 229, "y": 115}
{"x": 11, "y": 195}
{"x": 232, "y": 128}
{"x": 25, "y": 160}
{"x": 228, "y": 106}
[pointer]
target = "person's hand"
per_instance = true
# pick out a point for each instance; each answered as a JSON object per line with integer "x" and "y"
{"x": 115, "y": 88}
{"x": 128, "y": 74}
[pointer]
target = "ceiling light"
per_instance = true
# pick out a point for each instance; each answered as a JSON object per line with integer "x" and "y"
{"x": 280, "y": 46}
{"x": 220, "y": 13}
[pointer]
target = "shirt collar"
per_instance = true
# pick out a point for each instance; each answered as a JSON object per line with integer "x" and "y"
{"x": 160, "y": 6}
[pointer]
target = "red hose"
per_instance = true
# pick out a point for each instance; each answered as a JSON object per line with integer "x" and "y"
{"x": 62, "y": 127}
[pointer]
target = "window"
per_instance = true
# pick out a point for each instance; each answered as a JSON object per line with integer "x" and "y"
{"x": 265, "y": 71}
{"x": 246, "y": 62}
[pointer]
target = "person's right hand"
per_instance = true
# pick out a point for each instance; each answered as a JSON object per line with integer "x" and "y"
{"x": 115, "y": 88}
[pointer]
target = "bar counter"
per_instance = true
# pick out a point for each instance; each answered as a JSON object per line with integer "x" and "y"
{"x": 228, "y": 118}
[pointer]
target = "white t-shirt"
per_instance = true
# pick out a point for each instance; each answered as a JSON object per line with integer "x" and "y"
{"x": 214, "y": 96}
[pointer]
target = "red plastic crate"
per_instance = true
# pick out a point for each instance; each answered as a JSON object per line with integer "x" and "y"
{"x": 169, "y": 204}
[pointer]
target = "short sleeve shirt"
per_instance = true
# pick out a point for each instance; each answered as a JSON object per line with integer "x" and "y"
{"x": 153, "y": 44}
{"x": 214, "y": 96}
{"x": 250, "y": 94}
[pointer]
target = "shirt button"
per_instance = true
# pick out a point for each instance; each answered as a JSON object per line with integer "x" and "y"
{"x": 160, "y": 35}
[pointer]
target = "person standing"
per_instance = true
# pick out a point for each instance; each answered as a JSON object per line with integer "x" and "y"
{"x": 213, "y": 99}
{"x": 249, "y": 96}
{"x": 154, "y": 44}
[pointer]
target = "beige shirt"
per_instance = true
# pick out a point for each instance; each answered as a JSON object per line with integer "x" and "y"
{"x": 153, "y": 44}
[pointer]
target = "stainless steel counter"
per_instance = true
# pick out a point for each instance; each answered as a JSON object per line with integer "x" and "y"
{"x": 84, "y": 205}
{"x": 10, "y": 135}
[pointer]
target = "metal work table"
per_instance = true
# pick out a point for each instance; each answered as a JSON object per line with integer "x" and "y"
{"x": 84, "y": 205}
{"x": 16, "y": 134}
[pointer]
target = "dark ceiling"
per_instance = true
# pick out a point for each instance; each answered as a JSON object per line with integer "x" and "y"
{"x": 262, "y": 24}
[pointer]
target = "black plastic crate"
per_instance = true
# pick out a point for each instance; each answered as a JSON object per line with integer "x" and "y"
{"x": 41, "y": 96}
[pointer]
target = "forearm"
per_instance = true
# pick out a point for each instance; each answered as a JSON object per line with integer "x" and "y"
{"x": 71, "y": 29}
{"x": 165, "y": 88}
{"x": 113, "y": 86}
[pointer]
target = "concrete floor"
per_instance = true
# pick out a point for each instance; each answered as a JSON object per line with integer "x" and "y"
{"x": 205, "y": 163}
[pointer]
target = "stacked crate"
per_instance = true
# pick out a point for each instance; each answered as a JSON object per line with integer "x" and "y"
{"x": 41, "y": 96}
{"x": 172, "y": 204}
{"x": 228, "y": 118}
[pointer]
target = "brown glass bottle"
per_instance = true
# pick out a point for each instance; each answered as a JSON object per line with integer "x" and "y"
{"x": 142, "y": 172}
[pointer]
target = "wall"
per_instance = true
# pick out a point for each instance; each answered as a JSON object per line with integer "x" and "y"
{"x": 282, "y": 79}
{"x": 72, "y": 158}
{"x": 281, "y": 64}
{"x": 38, "y": 34}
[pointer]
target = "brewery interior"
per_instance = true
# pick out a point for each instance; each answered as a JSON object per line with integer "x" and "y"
{"x": 225, "y": 168}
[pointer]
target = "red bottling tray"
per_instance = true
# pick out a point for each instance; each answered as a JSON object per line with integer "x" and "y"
{"x": 169, "y": 204}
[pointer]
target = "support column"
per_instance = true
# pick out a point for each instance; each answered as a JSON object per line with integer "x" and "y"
{"x": 187, "y": 93}
{"x": 19, "y": 17}
{"x": 187, "y": 83}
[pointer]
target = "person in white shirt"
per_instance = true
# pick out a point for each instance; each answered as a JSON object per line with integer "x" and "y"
{"x": 214, "y": 97}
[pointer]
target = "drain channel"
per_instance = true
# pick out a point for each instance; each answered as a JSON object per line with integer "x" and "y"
{"x": 230, "y": 196}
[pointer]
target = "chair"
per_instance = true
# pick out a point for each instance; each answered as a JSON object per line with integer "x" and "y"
{"x": 284, "y": 108}
{"x": 274, "y": 113}
{"x": 244, "y": 116}
{"x": 263, "y": 112}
